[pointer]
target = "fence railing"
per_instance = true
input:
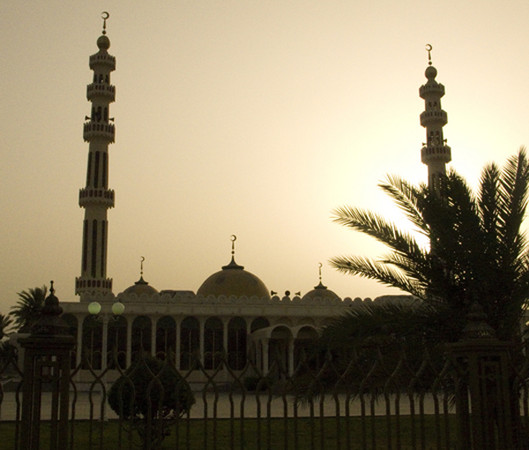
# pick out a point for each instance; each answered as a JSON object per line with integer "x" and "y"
{"x": 376, "y": 396}
{"x": 383, "y": 393}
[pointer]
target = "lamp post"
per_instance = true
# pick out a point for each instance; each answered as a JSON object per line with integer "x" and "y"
{"x": 94, "y": 309}
{"x": 47, "y": 357}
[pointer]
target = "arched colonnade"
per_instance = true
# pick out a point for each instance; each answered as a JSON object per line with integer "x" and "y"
{"x": 106, "y": 341}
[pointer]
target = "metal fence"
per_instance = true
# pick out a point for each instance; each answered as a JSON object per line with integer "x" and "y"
{"x": 378, "y": 396}
{"x": 381, "y": 394}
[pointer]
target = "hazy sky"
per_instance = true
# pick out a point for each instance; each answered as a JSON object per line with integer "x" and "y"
{"x": 253, "y": 118}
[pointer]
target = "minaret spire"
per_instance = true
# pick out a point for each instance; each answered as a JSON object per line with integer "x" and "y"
{"x": 95, "y": 197}
{"x": 434, "y": 153}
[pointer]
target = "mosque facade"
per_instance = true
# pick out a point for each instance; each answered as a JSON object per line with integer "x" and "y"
{"x": 233, "y": 315}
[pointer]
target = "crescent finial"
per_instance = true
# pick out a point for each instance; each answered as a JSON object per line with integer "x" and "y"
{"x": 105, "y": 15}
{"x": 233, "y": 238}
{"x": 141, "y": 265}
{"x": 429, "y": 50}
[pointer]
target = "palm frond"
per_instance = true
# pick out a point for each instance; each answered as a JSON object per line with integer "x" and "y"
{"x": 408, "y": 199}
{"x": 378, "y": 271}
{"x": 377, "y": 227}
{"x": 513, "y": 193}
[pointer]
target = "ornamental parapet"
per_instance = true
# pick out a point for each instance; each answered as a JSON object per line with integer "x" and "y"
{"x": 103, "y": 130}
{"x": 100, "y": 196}
{"x": 91, "y": 286}
{"x": 102, "y": 59}
{"x": 434, "y": 117}
{"x": 436, "y": 153}
{"x": 427, "y": 89}
{"x": 95, "y": 90}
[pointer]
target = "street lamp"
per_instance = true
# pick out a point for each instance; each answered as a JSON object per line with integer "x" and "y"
{"x": 118, "y": 308}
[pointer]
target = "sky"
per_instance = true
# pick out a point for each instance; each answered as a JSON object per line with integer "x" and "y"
{"x": 245, "y": 117}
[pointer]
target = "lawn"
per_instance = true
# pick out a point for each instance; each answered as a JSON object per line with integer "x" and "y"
{"x": 302, "y": 433}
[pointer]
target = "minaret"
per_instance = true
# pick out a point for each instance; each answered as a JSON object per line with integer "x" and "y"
{"x": 435, "y": 153}
{"x": 96, "y": 198}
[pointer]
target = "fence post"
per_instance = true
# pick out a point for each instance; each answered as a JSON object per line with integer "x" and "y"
{"x": 486, "y": 400}
{"x": 47, "y": 354}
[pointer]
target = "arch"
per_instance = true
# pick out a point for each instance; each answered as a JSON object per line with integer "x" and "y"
{"x": 166, "y": 337}
{"x": 141, "y": 335}
{"x": 279, "y": 348}
{"x": 73, "y": 324}
{"x": 258, "y": 323}
{"x": 213, "y": 337}
{"x": 92, "y": 343}
{"x": 117, "y": 343}
{"x": 281, "y": 332}
{"x": 237, "y": 337}
{"x": 189, "y": 342}
{"x": 307, "y": 332}
{"x": 305, "y": 354}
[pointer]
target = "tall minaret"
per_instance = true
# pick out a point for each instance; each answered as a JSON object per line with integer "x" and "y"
{"x": 435, "y": 153}
{"x": 96, "y": 198}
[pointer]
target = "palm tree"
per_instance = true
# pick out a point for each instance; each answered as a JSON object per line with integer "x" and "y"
{"x": 27, "y": 310}
{"x": 476, "y": 252}
{"x": 5, "y": 323}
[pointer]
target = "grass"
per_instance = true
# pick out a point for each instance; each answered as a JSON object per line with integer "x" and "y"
{"x": 302, "y": 433}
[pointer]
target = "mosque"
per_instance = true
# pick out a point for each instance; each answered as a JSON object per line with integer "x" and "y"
{"x": 232, "y": 315}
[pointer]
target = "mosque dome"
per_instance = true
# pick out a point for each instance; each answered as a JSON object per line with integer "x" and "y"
{"x": 141, "y": 287}
{"x": 233, "y": 280}
{"x": 320, "y": 291}
{"x": 103, "y": 42}
{"x": 430, "y": 73}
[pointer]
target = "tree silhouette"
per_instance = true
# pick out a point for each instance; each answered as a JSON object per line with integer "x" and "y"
{"x": 27, "y": 310}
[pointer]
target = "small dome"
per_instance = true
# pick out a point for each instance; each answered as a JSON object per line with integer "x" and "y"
{"x": 233, "y": 280}
{"x": 322, "y": 292}
{"x": 141, "y": 287}
{"x": 430, "y": 73}
{"x": 103, "y": 42}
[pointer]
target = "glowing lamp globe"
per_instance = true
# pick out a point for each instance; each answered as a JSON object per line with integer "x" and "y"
{"x": 94, "y": 308}
{"x": 118, "y": 308}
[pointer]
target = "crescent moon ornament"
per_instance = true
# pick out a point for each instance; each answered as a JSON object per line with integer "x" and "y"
{"x": 105, "y": 15}
{"x": 233, "y": 238}
{"x": 429, "y": 50}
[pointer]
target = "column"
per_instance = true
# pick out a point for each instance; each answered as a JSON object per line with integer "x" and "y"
{"x": 153, "y": 336}
{"x": 265, "y": 345}
{"x": 201, "y": 339}
{"x": 290, "y": 356}
{"x": 129, "y": 341}
{"x": 79, "y": 342}
{"x": 104, "y": 346}
{"x": 177, "y": 346}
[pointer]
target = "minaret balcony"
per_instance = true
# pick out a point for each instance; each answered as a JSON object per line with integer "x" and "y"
{"x": 102, "y": 59}
{"x": 98, "y": 130}
{"x": 434, "y": 117}
{"x": 101, "y": 90}
{"x": 91, "y": 196}
{"x": 93, "y": 285}
{"x": 430, "y": 89}
{"x": 436, "y": 153}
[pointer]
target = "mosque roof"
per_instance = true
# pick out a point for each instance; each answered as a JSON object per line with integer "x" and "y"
{"x": 140, "y": 287}
{"x": 320, "y": 291}
{"x": 233, "y": 280}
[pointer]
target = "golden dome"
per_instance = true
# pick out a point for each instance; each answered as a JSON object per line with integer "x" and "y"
{"x": 322, "y": 292}
{"x": 141, "y": 287}
{"x": 233, "y": 280}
